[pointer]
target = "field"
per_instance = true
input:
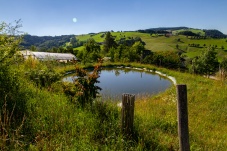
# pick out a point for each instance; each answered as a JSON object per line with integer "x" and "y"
{"x": 162, "y": 43}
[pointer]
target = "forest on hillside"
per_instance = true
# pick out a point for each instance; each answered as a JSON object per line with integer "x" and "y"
{"x": 209, "y": 33}
{"x": 43, "y": 43}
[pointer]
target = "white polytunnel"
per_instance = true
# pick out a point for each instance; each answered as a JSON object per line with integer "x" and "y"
{"x": 48, "y": 55}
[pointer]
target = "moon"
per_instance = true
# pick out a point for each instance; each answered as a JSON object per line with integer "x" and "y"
{"x": 74, "y": 20}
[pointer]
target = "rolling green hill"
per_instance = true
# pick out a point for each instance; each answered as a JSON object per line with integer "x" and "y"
{"x": 156, "y": 39}
{"x": 190, "y": 46}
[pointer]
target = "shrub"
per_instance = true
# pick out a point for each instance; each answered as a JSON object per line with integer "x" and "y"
{"x": 43, "y": 78}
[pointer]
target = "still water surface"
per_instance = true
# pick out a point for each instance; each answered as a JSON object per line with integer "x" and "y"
{"x": 114, "y": 82}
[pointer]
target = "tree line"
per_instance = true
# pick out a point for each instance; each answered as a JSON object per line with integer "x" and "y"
{"x": 205, "y": 64}
{"x": 44, "y": 43}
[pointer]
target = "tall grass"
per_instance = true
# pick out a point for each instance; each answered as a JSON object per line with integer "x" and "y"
{"x": 53, "y": 122}
{"x": 207, "y": 113}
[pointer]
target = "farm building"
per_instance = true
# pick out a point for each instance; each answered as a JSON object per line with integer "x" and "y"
{"x": 61, "y": 57}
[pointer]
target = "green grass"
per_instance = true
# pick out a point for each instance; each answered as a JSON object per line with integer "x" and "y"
{"x": 97, "y": 37}
{"x": 79, "y": 48}
{"x": 162, "y": 43}
{"x": 156, "y": 116}
{"x": 53, "y": 122}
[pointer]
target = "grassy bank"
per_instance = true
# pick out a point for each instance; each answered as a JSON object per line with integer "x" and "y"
{"x": 207, "y": 105}
{"x": 156, "y": 117}
{"x": 207, "y": 113}
{"x": 54, "y": 122}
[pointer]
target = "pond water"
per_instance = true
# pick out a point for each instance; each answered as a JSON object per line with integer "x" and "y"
{"x": 114, "y": 82}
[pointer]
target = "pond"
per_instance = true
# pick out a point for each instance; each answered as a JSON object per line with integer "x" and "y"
{"x": 114, "y": 82}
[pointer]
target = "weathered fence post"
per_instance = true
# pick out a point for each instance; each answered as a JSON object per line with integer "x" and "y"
{"x": 128, "y": 103}
{"x": 182, "y": 114}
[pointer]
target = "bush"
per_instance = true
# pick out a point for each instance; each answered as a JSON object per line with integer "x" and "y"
{"x": 43, "y": 78}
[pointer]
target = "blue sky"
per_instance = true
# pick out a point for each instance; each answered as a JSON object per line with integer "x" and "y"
{"x": 54, "y": 17}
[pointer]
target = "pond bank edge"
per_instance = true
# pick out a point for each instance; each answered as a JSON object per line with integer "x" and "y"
{"x": 174, "y": 81}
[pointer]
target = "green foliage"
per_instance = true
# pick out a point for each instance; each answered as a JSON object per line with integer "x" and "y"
{"x": 10, "y": 87}
{"x": 8, "y": 44}
{"x": 76, "y": 43}
{"x": 83, "y": 91}
{"x": 167, "y": 59}
{"x": 109, "y": 42}
{"x": 223, "y": 69}
{"x": 214, "y": 33}
{"x": 206, "y": 63}
{"x": 92, "y": 46}
{"x": 13, "y": 89}
{"x": 41, "y": 73}
{"x": 90, "y": 53}
{"x": 33, "y": 48}
{"x": 44, "y": 43}
{"x": 138, "y": 47}
{"x": 161, "y": 43}
{"x": 188, "y": 33}
{"x": 85, "y": 85}
{"x": 43, "y": 78}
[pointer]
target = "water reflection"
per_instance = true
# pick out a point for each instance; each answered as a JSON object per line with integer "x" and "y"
{"x": 114, "y": 82}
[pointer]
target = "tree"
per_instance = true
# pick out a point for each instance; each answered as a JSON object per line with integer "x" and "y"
{"x": 92, "y": 50}
{"x": 207, "y": 63}
{"x": 109, "y": 42}
{"x": 86, "y": 90}
{"x": 139, "y": 49}
{"x": 13, "y": 95}
{"x": 9, "y": 43}
{"x": 223, "y": 69}
{"x": 73, "y": 41}
{"x": 33, "y": 48}
{"x": 92, "y": 46}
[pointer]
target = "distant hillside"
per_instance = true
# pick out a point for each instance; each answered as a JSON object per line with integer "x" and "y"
{"x": 213, "y": 33}
{"x": 44, "y": 43}
{"x": 161, "y": 30}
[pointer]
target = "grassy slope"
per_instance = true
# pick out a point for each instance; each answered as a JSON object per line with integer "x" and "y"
{"x": 58, "y": 125}
{"x": 156, "y": 117}
{"x": 207, "y": 112}
{"x": 162, "y": 43}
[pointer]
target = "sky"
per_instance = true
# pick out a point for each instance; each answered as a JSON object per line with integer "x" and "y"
{"x": 55, "y": 17}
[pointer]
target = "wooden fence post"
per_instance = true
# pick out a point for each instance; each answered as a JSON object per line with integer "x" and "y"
{"x": 128, "y": 103}
{"x": 182, "y": 114}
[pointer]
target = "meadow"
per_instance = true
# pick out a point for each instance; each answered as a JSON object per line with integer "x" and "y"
{"x": 163, "y": 43}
